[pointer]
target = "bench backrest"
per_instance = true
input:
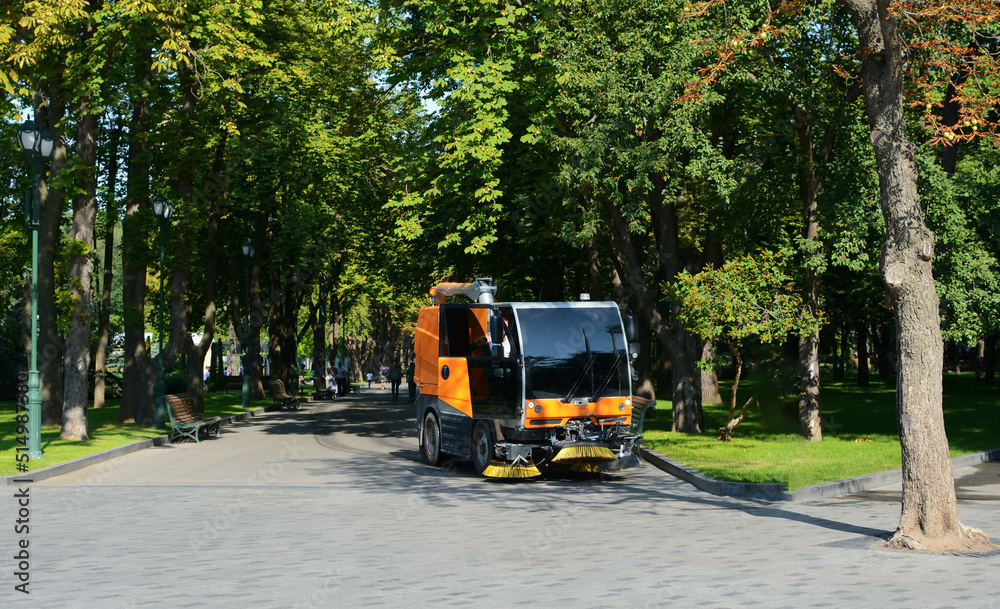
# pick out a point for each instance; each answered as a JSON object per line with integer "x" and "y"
{"x": 642, "y": 409}
{"x": 278, "y": 389}
{"x": 180, "y": 409}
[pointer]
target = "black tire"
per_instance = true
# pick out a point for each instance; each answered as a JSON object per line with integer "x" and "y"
{"x": 430, "y": 439}
{"x": 482, "y": 446}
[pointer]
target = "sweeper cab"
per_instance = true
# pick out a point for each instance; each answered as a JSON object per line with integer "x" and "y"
{"x": 514, "y": 386}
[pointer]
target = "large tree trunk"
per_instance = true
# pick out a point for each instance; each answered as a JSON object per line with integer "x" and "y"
{"x": 76, "y": 359}
{"x": 929, "y": 519}
{"x": 319, "y": 344}
{"x": 181, "y": 299}
{"x": 809, "y": 405}
{"x": 50, "y": 343}
{"x": 644, "y": 385}
{"x": 253, "y": 320}
{"x": 685, "y": 351}
{"x": 137, "y": 381}
{"x": 104, "y": 317}
{"x": 281, "y": 346}
{"x": 684, "y": 348}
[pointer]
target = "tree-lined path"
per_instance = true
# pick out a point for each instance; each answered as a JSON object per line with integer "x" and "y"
{"x": 328, "y": 506}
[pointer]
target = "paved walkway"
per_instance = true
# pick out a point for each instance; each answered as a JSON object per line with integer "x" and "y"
{"x": 329, "y": 507}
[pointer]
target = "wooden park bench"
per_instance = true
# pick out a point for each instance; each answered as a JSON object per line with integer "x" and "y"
{"x": 281, "y": 397}
{"x": 184, "y": 422}
{"x": 642, "y": 408}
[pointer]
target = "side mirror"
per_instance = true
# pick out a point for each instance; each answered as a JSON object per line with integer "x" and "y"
{"x": 496, "y": 328}
{"x": 631, "y": 328}
{"x": 632, "y": 334}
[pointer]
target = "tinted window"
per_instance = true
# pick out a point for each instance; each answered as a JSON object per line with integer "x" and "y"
{"x": 577, "y": 352}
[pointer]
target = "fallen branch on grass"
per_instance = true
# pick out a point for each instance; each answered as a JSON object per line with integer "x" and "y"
{"x": 726, "y": 431}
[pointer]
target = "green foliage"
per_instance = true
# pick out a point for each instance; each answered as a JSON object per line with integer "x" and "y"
{"x": 482, "y": 65}
{"x": 962, "y": 212}
{"x": 750, "y": 296}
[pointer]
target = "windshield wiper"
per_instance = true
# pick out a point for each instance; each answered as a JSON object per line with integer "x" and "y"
{"x": 611, "y": 372}
{"x": 587, "y": 366}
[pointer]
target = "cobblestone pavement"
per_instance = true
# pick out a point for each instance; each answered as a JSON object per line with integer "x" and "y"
{"x": 329, "y": 507}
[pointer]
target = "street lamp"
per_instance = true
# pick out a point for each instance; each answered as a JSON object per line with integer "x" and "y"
{"x": 163, "y": 208}
{"x": 38, "y": 145}
{"x": 248, "y": 252}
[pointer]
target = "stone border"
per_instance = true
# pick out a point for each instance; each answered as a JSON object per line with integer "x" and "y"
{"x": 80, "y": 462}
{"x": 779, "y": 492}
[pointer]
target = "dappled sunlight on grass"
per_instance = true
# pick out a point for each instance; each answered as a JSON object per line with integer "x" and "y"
{"x": 859, "y": 435}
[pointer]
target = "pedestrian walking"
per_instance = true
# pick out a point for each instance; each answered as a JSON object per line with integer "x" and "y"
{"x": 341, "y": 379}
{"x": 411, "y": 387}
{"x": 395, "y": 378}
{"x": 370, "y": 379}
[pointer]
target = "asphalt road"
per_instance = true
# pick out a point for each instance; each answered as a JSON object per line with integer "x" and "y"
{"x": 329, "y": 506}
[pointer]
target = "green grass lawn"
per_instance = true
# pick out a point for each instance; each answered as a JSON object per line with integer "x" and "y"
{"x": 105, "y": 432}
{"x": 859, "y": 433}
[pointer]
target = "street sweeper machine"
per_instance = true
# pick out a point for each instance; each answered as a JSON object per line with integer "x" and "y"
{"x": 515, "y": 386}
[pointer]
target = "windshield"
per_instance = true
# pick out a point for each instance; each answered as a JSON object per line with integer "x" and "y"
{"x": 576, "y": 352}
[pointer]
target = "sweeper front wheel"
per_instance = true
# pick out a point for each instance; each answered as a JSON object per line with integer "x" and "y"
{"x": 430, "y": 439}
{"x": 482, "y": 447}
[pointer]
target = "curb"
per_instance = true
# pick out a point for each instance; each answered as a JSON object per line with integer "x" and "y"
{"x": 79, "y": 463}
{"x": 741, "y": 490}
{"x": 780, "y": 492}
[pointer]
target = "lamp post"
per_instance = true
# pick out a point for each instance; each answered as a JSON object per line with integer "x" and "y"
{"x": 248, "y": 252}
{"x": 163, "y": 208}
{"x": 38, "y": 145}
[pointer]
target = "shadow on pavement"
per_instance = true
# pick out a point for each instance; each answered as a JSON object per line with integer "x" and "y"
{"x": 375, "y": 443}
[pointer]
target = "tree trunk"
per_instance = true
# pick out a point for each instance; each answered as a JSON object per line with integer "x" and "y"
{"x": 684, "y": 347}
{"x": 281, "y": 329}
{"x": 645, "y": 386}
{"x": 725, "y": 433}
{"x": 990, "y": 358}
{"x": 980, "y": 355}
{"x": 594, "y": 272}
{"x": 76, "y": 359}
{"x": 709, "y": 381}
{"x": 929, "y": 519}
{"x": 320, "y": 353}
{"x": 256, "y": 322}
{"x": 209, "y": 198}
{"x": 250, "y": 340}
{"x": 104, "y": 317}
{"x": 137, "y": 380}
{"x": 685, "y": 351}
{"x": 50, "y": 343}
{"x": 809, "y": 405}
{"x": 884, "y": 353}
